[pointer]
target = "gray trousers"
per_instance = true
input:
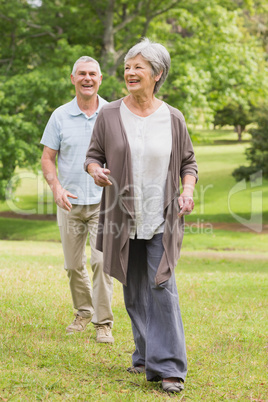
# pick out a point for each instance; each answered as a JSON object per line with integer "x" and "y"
{"x": 75, "y": 227}
{"x": 155, "y": 313}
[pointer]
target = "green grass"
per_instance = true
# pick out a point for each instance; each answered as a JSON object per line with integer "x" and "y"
{"x": 197, "y": 239}
{"x": 218, "y": 137}
{"x": 213, "y": 198}
{"x": 32, "y": 194}
{"x": 224, "y": 309}
{"x": 223, "y": 240}
{"x": 23, "y": 229}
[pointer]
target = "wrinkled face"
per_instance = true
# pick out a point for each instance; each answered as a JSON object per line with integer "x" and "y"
{"x": 139, "y": 75}
{"x": 87, "y": 79}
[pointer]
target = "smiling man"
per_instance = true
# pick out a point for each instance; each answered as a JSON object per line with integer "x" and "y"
{"x": 67, "y": 136}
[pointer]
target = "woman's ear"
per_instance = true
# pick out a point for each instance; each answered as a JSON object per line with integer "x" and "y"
{"x": 157, "y": 77}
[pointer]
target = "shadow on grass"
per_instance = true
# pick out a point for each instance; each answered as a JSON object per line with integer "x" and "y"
{"x": 22, "y": 229}
{"x": 226, "y": 217}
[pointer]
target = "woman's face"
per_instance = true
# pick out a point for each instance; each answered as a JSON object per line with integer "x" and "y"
{"x": 138, "y": 76}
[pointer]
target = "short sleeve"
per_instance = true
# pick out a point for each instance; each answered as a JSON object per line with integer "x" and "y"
{"x": 51, "y": 135}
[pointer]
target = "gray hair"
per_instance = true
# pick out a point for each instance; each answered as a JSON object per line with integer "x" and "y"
{"x": 156, "y": 54}
{"x": 85, "y": 59}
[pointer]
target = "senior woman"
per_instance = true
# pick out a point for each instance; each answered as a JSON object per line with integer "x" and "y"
{"x": 139, "y": 151}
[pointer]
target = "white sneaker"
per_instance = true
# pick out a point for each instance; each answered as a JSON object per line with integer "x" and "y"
{"x": 78, "y": 325}
{"x": 104, "y": 333}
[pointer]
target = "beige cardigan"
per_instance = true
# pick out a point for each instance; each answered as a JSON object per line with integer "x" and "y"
{"x": 109, "y": 145}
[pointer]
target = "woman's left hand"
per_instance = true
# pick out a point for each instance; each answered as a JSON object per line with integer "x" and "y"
{"x": 186, "y": 204}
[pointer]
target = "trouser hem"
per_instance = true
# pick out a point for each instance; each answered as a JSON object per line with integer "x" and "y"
{"x": 84, "y": 314}
{"x": 158, "y": 377}
{"x": 110, "y": 323}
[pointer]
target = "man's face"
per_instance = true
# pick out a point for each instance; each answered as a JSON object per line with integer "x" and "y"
{"x": 87, "y": 80}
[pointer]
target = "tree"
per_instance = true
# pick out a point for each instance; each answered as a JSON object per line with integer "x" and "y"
{"x": 34, "y": 82}
{"x": 257, "y": 153}
{"x": 124, "y": 24}
{"x": 235, "y": 114}
{"x": 38, "y": 47}
{"x": 215, "y": 62}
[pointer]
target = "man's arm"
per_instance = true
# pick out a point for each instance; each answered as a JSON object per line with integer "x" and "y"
{"x": 48, "y": 163}
{"x": 186, "y": 202}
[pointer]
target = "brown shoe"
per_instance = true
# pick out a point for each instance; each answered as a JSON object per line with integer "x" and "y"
{"x": 136, "y": 369}
{"x": 104, "y": 333}
{"x": 78, "y": 325}
{"x": 169, "y": 386}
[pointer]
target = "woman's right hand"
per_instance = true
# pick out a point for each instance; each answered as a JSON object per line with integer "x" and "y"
{"x": 100, "y": 176}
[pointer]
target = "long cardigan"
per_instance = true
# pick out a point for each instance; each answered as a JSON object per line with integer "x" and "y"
{"x": 109, "y": 145}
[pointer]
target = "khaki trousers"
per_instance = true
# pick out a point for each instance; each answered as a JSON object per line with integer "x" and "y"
{"x": 75, "y": 226}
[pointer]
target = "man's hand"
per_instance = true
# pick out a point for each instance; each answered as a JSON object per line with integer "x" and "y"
{"x": 61, "y": 198}
{"x": 186, "y": 204}
{"x": 100, "y": 175}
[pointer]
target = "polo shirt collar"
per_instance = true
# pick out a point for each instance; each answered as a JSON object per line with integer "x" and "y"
{"x": 75, "y": 110}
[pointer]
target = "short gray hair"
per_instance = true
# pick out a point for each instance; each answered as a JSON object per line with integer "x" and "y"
{"x": 85, "y": 59}
{"x": 156, "y": 54}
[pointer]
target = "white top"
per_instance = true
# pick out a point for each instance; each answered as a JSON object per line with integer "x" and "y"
{"x": 69, "y": 131}
{"x": 150, "y": 142}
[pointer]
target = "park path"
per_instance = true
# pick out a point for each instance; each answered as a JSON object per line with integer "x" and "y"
{"x": 225, "y": 255}
{"x": 232, "y": 226}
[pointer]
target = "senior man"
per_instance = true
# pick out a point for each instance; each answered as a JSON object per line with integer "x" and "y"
{"x": 67, "y": 136}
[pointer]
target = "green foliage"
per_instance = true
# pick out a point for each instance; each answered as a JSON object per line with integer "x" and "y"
{"x": 216, "y": 49}
{"x": 111, "y": 88}
{"x": 257, "y": 153}
{"x": 236, "y": 115}
{"x": 215, "y": 62}
{"x": 25, "y": 107}
{"x": 243, "y": 172}
{"x": 27, "y": 100}
{"x": 17, "y": 135}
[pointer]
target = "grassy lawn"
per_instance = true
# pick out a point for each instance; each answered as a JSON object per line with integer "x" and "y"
{"x": 222, "y": 279}
{"x": 224, "y": 309}
{"x": 32, "y": 195}
{"x": 220, "y": 136}
{"x": 214, "y": 199}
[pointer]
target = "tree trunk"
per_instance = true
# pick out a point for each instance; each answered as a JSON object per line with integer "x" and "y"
{"x": 110, "y": 58}
{"x": 108, "y": 54}
{"x": 239, "y": 130}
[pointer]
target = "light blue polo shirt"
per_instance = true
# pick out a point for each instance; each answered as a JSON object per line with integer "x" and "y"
{"x": 69, "y": 131}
